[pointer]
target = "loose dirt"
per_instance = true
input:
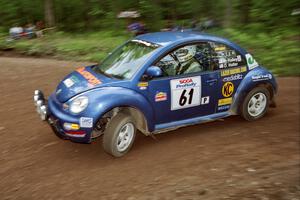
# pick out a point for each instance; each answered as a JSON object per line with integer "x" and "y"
{"x": 226, "y": 159}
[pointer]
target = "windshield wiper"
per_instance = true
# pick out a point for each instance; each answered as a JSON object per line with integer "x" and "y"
{"x": 116, "y": 76}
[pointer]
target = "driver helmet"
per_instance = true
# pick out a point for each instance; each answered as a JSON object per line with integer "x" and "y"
{"x": 186, "y": 53}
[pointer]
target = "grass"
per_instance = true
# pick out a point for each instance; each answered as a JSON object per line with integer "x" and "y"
{"x": 84, "y": 47}
{"x": 278, "y": 51}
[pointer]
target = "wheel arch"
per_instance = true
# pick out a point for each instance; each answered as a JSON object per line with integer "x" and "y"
{"x": 138, "y": 117}
{"x": 110, "y": 100}
{"x": 248, "y": 84}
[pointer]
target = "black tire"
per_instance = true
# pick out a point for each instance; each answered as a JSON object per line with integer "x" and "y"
{"x": 245, "y": 112}
{"x": 111, "y": 134}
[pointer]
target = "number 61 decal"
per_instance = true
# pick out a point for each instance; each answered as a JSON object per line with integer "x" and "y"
{"x": 185, "y": 92}
{"x": 183, "y": 99}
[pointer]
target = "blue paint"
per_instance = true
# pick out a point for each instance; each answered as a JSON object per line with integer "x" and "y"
{"x": 112, "y": 92}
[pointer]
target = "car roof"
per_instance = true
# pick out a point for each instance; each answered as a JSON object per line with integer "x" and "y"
{"x": 166, "y": 38}
{"x": 171, "y": 37}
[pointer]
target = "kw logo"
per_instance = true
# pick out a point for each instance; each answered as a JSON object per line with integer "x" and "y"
{"x": 227, "y": 89}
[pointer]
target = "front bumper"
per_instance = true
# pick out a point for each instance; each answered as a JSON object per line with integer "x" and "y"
{"x": 51, "y": 112}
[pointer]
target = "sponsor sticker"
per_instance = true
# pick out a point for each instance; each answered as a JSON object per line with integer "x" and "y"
{"x": 143, "y": 85}
{"x": 228, "y": 72}
{"x": 238, "y": 58}
{"x": 262, "y": 77}
{"x": 227, "y": 89}
{"x": 220, "y": 48}
{"x": 88, "y": 76}
{"x": 68, "y": 82}
{"x": 251, "y": 62}
{"x": 233, "y": 64}
{"x": 225, "y": 101}
{"x": 86, "y": 122}
{"x": 233, "y": 78}
{"x": 75, "y": 126}
{"x": 229, "y": 53}
{"x": 205, "y": 100}
{"x": 222, "y": 108}
{"x": 185, "y": 92}
{"x": 222, "y": 60}
{"x": 74, "y": 79}
{"x": 160, "y": 96}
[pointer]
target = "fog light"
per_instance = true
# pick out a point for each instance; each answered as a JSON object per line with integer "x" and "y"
{"x": 37, "y": 92}
{"x": 39, "y": 103}
{"x": 35, "y": 99}
{"x": 43, "y": 112}
{"x": 70, "y": 126}
{"x": 38, "y": 95}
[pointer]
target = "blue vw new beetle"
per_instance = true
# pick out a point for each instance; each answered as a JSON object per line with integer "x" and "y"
{"x": 154, "y": 83}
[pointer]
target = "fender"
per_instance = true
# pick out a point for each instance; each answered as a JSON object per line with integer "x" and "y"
{"x": 118, "y": 97}
{"x": 255, "y": 77}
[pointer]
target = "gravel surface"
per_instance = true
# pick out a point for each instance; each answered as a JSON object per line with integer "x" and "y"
{"x": 226, "y": 159}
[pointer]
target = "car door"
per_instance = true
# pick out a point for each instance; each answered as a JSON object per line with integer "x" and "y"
{"x": 188, "y": 86}
{"x": 232, "y": 69}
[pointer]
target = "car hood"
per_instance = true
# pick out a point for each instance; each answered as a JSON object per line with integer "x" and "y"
{"x": 81, "y": 80}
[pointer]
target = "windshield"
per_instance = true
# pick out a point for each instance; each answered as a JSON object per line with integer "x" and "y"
{"x": 126, "y": 60}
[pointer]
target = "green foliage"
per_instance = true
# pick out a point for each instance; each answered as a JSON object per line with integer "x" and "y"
{"x": 277, "y": 52}
{"x": 151, "y": 13}
{"x": 89, "y": 46}
{"x": 82, "y": 15}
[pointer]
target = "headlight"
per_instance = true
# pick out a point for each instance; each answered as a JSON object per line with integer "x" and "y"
{"x": 79, "y": 104}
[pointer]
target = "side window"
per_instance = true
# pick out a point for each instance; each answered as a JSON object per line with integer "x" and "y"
{"x": 226, "y": 57}
{"x": 188, "y": 59}
{"x": 168, "y": 64}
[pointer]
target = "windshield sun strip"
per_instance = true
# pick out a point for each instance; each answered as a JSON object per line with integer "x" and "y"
{"x": 148, "y": 44}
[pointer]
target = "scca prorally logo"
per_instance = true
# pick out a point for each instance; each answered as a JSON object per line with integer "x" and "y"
{"x": 227, "y": 89}
{"x": 188, "y": 82}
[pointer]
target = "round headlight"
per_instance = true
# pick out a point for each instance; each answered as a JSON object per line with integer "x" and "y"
{"x": 79, "y": 104}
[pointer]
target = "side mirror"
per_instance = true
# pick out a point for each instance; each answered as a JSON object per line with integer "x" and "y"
{"x": 153, "y": 71}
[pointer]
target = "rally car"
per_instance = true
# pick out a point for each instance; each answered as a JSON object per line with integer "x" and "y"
{"x": 154, "y": 83}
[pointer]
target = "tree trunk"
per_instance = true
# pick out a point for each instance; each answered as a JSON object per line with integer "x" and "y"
{"x": 49, "y": 13}
{"x": 227, "y": 20}
{"x": 86, "y": 10}
{"x": 246, "y": 5}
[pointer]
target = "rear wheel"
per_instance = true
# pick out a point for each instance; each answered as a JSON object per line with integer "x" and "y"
{"x": 119, "y": 135}
{"x": 255, "y": 104}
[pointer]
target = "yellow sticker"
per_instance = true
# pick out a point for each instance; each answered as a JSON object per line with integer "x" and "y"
{"x": 227, "y": 89}
{"x": 225, "y": 101}
{"x": 143, "y": 84}
{"x": 221, "y": 48}
{"x": 74, "y": 126}
{"x": 228, "y": 72}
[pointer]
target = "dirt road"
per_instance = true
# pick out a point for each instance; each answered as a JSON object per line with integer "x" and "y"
{"x": 230, "y": 159}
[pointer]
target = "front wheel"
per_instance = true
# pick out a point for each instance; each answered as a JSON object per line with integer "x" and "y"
{"x": 119, "y": 135}
{"x": 255, "y": 104}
